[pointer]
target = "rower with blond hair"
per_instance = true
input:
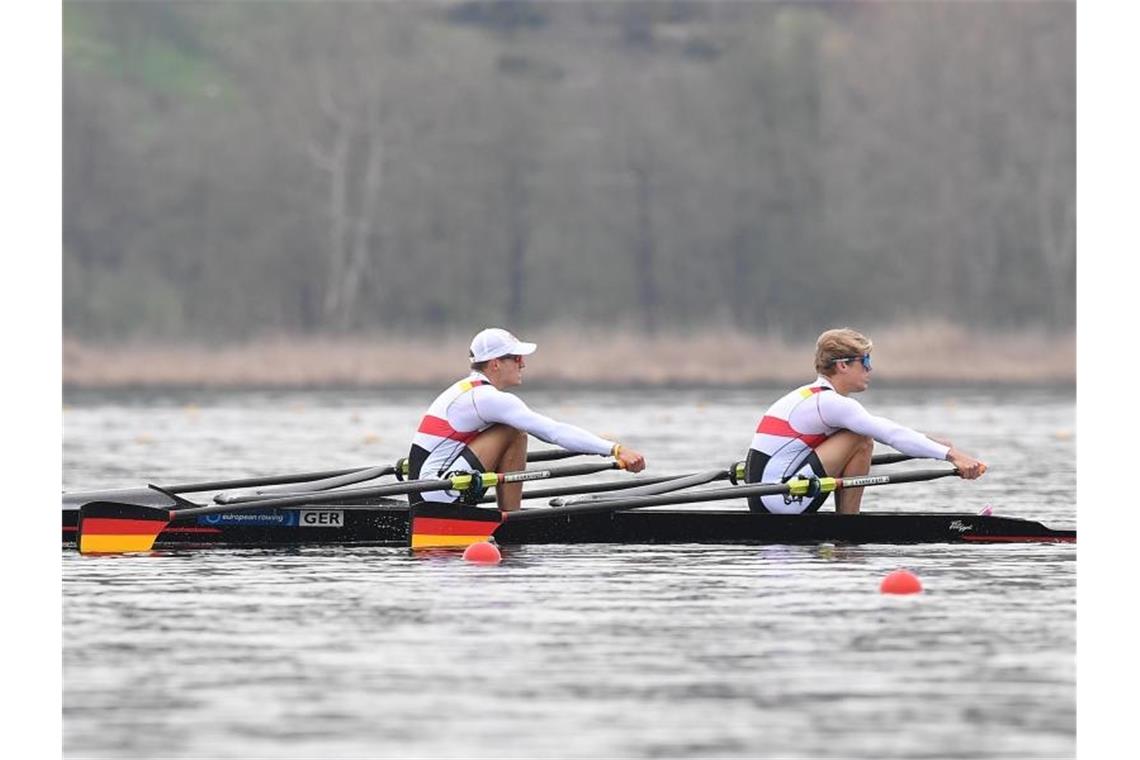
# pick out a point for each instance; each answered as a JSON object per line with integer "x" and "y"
{"x": 819, "y": 430}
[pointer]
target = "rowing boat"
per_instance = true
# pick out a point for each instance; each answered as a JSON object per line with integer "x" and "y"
{"x": 385, "y": 523}
{"x": 334, "y": 509}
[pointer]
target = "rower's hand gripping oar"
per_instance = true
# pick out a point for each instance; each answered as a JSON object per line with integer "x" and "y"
{"x": 108, "y": 527}
{"x": 449, "y": 525}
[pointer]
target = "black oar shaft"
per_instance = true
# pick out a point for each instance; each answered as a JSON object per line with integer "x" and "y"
{"x": 720, "y": 494}
{"x": 546, "y": 455}
{"x": 651, "y": 489}
{"x": 890, "y": 458}
{"x": 237, "y": 496}
{"x": 579, "y": 488}
{"x": 269, "y": 480}
{"x": 551, "y": 455}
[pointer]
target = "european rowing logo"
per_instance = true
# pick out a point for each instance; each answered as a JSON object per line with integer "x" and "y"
{"x": 960, "y": 526}
{"x": 284, "y": 519}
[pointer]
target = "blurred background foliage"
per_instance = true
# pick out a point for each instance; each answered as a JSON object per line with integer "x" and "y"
{"x": 233, "y": 169}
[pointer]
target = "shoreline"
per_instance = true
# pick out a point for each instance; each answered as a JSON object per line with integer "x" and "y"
{"x": 911, "y": 355}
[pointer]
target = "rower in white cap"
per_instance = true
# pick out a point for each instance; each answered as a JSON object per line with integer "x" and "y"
{"x": 475, "y": 426}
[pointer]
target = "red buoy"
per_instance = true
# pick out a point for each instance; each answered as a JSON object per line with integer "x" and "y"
{"x": 901, "y": 582}
{"x": 483, "y": 553}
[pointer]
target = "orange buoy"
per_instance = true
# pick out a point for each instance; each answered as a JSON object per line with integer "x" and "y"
{"x": 900, "y": 582}
{"x": 483, "y": 553}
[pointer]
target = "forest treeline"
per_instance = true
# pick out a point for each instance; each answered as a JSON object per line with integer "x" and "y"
{"x": 241, "y": 168}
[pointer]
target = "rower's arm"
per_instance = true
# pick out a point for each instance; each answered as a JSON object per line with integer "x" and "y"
{"x": 848, "y": 414}
{"x": 508, "y": 409}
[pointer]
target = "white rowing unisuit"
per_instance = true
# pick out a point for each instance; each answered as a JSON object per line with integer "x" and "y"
{"x": 800, "y": 421}
{"x": 465, "y": 410}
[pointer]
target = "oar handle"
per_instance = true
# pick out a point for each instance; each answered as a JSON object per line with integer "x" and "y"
{"x": 795, "y": 487}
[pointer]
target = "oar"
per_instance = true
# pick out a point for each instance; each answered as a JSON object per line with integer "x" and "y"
{"x": 794, "y": 487}
{"x": 635, "y": 484}
{"x": 317, "y": 478}
{"x": 311, "y": 486}
{"x": 550, "y": 455}
{"x": 545, "y": 455}
{"x": 892, "y": 457}
{"x": 326, "y": 482}
{"x": 649, "y": 489}
{"x": 461, "y": 482}
{"x": 586, "y": 488}
{"x": 448, "y": 525}
{"x": 108, "y": 527}
{"x": 269, "y": 480}
{"x": 677, "y": 482}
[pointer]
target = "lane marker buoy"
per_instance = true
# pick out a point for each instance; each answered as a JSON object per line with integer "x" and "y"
{"x": 482, "y": 553}
{"x": 900, "y": 582}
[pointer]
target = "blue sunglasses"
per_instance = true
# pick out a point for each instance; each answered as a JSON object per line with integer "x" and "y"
{"x": 865, "y": 359}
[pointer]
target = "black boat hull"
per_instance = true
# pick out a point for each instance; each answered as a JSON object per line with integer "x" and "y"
{"x": 388, "y": 525}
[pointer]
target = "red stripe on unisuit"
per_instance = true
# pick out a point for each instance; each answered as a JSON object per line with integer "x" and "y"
{"x": 776, "y": 426}
{"x": 105, "y": 526}
{"x": 437, "y": 526}
{"x": 438, "y": 426}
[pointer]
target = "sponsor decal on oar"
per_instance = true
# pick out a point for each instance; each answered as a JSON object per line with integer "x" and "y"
{"x": 110, "y": 528}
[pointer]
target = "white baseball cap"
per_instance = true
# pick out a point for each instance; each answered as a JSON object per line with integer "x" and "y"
{"x": 495, "y": 342}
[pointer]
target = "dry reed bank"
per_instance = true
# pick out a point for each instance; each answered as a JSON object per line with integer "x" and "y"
{"x": 929, "y": 353}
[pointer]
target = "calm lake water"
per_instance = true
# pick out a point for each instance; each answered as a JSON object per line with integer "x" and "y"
{"x": 570, "y": 651}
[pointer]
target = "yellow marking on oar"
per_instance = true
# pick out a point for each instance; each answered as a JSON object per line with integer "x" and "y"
{"x": 112, "y": 544}
{"x": 799, "y": 486}
{"x": 463, "y": 482}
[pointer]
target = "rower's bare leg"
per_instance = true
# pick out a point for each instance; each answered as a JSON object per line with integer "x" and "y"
{"x": 503, "y": 449}
{"x": 847, "y": 454}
